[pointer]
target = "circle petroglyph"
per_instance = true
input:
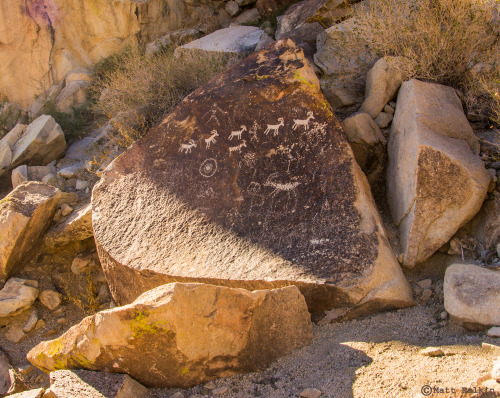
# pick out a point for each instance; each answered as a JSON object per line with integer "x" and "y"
{"x": 208, "y": 168}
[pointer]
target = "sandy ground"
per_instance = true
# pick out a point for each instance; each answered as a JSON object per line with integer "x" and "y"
{"x": 373, "y": 357}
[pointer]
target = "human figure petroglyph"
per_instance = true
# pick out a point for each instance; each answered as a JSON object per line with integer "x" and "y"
{"x": 305, "y": 122}
{"x": 237, "y": 133}
{"x": 253, "y": 132}
{"x": 213, "y": 114}
{"x": 186, "y": 148}
{"x": 274, "y": 128}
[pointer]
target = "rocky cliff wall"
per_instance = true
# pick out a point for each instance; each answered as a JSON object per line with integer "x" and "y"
{"x": 42, "y": 40}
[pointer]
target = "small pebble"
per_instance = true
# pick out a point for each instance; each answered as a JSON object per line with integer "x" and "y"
{"x": 50, "y": 299}
{"x": 311, "y": 393}
{"x": 66, "y": 209}
{"x": 425, "y": 283}
{"x": 62, "y": 321}
{"x": 59, "y": 311}
{"x": 210, "y": 385}
{"x": 80, "y": 184}
{"x": 426, "y": 295}
{"x": 383, "y": 119}
{"x": 15, "y": 334}
{"x": 220, "y": 390}
{"x": 443, "y": 315}
{"x": 178, "y": 394}
{"x": 388, "y": 109}
{"x": 51, "y": 332}
{"x": 489, "y": 346}
{"x": 25, "y": 369}
{"x": 31, "y": 283}
{"x": 31, "y": 322}
{"x": 392, "y": 104}
{"x": 418, "y": 290}
{"x": 494, "y": 331}
{"x": 40, "y": 324}
{"x": 432, "y": 352}
{"x": 39, "y": 378}
{"x": 57, "y": 216}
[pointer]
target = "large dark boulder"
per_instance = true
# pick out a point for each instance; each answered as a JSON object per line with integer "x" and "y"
{"x": 249, "y": 183}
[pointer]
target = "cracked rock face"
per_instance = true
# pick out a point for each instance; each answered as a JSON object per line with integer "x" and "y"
{"x": 435, "y": 181}
{"x": 25, "y": 215}
{"x": 248, "y": 183}
{"x": 43, "y": 40}
{"x": 189, "y": 333}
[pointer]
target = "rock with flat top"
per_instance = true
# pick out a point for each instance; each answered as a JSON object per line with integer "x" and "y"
{"x": 19, "y": 175}
{"x": 37, "y": 393}
{"x": 494, "y": 331}
{"x": 235, "y": 39}
{"x": 50, "y": 299}
{"x": 248, "y": 183}
{"x": 7, "y": 145}
{"x": 77, "y": 227}
{"x": 382, "y": 84}
{"x": 16, "y": 296}
{"x": 41, "y": 142}
{"x": 25, "y": 214}
{"x": 432, "y": 352}
{"x": 324, "y": 12}
{"x": 472, "y": 295}
{"x": 189, "y": 333}
{"x": 368, "y": 144}
{"x": 72, "y": 96}
{"x": 88, "y": 384}
{"x": 435, "y": 181}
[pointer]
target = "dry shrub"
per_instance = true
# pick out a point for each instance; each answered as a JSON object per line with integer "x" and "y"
{"x": 441, "y": 41}
{"x": 137, "y": 90}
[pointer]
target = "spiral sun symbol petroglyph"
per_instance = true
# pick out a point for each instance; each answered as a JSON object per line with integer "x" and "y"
{"x": 208, "y": 168}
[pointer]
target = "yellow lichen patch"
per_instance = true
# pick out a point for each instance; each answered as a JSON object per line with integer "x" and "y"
{"x": 55, "y": 348}
{"x": 140, "y": 325}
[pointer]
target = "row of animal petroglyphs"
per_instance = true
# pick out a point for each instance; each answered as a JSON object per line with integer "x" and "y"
{"x": 237, "y": 135}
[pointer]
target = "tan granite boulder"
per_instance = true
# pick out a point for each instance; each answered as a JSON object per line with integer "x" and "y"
{"x": 368, "y": 144}
{"x": 88, "y": 384}
{"x": 77, "y": 227}
{"x": 40, "y": 143}
{"x": 435, "y": 181}
{"x": 25, "y": 214}
{"x": 472, "y": 295}
{"x": 187, "y": 334}
{"x": 248, "y": 183}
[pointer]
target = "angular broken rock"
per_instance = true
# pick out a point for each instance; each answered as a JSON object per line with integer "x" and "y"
{"x": 41, "y": 142}
{"x": 235, "y": 39}
{"x": 325, "y": 12}
{"x": 248, "y": 183}
{"x": 472, "y": 295}
{"x": 16, "y": 296}
{"x": 25, "y": 214}
{"x": 368, "y": 144}
{"x": 435, "y": 181}
{"x": 88, "y": 384}
{"x": 382, "y": 85}
{"x": 187, "y": 333}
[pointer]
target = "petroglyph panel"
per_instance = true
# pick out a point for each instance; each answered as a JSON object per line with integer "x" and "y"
{"x": 255, "y": 168}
